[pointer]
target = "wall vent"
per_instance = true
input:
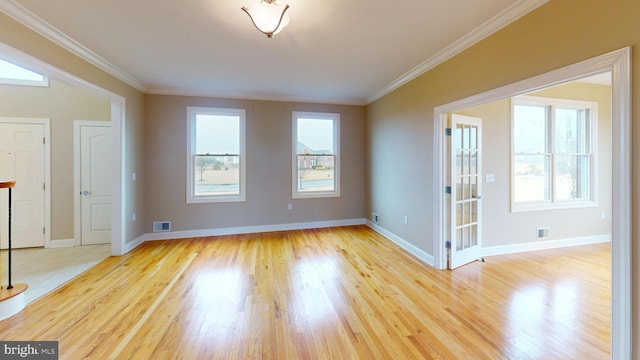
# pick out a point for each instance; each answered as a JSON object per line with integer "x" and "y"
{"x": 375, "y": 218}
{"x": 543, "y": 233}
{"x": 161, "y": 226}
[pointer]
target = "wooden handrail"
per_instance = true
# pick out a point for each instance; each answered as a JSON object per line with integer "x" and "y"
{"x": 7, "y": 184}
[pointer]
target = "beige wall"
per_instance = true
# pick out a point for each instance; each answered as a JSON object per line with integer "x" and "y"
{"x": 62, "y": 104}
{"x": 21, "y": 38}
{"x": 503, "y": 227}
{"x": 268, "y": 173}
{"x": 400, "y": 125}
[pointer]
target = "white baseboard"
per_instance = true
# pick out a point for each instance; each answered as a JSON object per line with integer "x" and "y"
{"x": 62, "y": 243}
{"x": 409, "y": 247}
{"x": 545, "y": 245}
{"x": 135, "y": 243}
{"x": 247, "y": 230}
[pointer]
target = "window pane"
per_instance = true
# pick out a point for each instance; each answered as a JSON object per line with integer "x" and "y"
{"x": 571, "y": 131}
{"x": 530, "y": 129}
{"x": 216, "y": 175}
{"x": 459, "y": 163}
{"x": 216, "y": 165}
{"x": 315, "y": 136}
{"x": 474, "y": 138}
{"x": 531, "y": 178}
{"x": 465, "y": 136}
{"x": 474, "y": 163}
{"x": 217, "y": 134}
{"x": 459, "y": 187}
{"x": 473, "y": 235}
{"x": 316, "y": 173}
{"x": 11, "y": 71}
{"x": 572, "y": 177}
{"x": 316, "y": 162}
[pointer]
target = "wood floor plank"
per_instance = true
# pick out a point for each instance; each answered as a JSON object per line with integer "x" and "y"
{"x": 338, "y": 293}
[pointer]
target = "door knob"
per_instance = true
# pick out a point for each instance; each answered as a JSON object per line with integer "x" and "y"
{"x": 85, "y": 193}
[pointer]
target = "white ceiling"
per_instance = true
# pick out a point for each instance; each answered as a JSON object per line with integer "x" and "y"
{"x": 334, "y": 51}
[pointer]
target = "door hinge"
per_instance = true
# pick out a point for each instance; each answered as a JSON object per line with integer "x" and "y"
{"x": 447, "y": 245}
{"x": 447, "y": 131}
{"x": 43, "y": 140}
{"x": 447, "y": 189}
{"x": 43, "y": 231}
{"x": 44, "y": 186}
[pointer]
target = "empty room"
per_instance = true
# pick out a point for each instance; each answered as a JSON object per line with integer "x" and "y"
{"x": 258, "y": 179}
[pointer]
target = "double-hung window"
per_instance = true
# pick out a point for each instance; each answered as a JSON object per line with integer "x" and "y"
{"x": 553, "y": 158}
{"x": 216, "y": 155}
{"x": 316, "y": 155}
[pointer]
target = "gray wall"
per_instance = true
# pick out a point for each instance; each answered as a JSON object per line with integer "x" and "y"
{"x": 268, "y": 147}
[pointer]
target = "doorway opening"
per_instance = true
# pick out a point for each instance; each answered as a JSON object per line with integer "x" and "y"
{"x": 618, "y": 64}
{"x": 117, "y": 117}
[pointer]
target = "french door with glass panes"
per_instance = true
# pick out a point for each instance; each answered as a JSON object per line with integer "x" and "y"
{"x": 466, "y": 190}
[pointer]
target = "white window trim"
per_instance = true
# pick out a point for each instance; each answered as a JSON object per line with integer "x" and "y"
{"x": 20, "y": 82}
{"x": 335, "y": 117}
{"x": 191, "y": 112}
{"x": 553, "y": 203}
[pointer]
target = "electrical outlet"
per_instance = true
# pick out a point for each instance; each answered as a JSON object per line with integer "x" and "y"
{"x": 133, "y": 217}
{"x": 375, "y": 218}
{"x": 289, "y": 206}
{"x": 406, "y": 219}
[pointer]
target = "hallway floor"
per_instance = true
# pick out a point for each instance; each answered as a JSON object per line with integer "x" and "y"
{"x": 44, "y": 270}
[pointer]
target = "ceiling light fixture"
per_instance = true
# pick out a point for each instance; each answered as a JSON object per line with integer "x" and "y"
{"x": 268, "y": 17}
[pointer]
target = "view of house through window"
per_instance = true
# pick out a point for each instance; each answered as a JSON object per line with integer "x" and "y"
{"x": 315, "y": 154}
{"x": 552, "y": 151}
{"x": 216, "y": 151}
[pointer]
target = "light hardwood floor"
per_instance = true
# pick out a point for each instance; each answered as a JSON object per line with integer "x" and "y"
{"x": 340, "y": 293}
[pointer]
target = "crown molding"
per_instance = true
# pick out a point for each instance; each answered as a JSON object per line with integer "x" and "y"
{"x": 246, "y": 96}
{"x": 37, "y": 24}
{"x": 504, "y": 18}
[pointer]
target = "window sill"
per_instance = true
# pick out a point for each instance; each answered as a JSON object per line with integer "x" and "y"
{"x": 546, "y": 206}
{"x": 207, "y": 200}
{"x": 314, "y": 195}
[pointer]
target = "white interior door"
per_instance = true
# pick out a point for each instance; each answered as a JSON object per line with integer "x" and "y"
{"x": 95, "y": 184}
{"x": 466, "y": 190}
{"x": 22, "y": 158}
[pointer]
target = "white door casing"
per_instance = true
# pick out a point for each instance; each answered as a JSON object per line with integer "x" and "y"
{"x": 93, "y": 153}
{"x": 23, "y": 158}
{"x": 466, "y": 190}
{"x": 618, "y": 62}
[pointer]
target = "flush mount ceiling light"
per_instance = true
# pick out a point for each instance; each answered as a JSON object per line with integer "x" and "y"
{"x": 268, "y": 17}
